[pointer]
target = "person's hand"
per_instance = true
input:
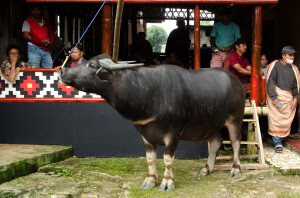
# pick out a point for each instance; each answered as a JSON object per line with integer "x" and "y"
{"x": 228, "y": 49}
{"x": 13, "y": 60}
{"x": 46, "y": 42}
{"x": 261, "y": 73}
{"x": 294, "y": 104}
{"x": 57, "y": 68}
{"x": 213, "y": 49}
{"x": 274, "y": 102}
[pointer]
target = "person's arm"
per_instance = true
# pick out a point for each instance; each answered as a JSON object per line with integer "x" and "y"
{"x": 213, "y": 44}
{"x": 13, "y": 62}
{"x": 240, "y": 69}
{"x": 295, "y": 94}
{"x": 213, "y": 35}
{"x": 26, "y": 36}
{"x": 271, "y": 84}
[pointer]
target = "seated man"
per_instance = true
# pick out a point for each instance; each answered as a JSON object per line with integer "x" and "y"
{"x": 142, "y": 46}
{"x": 239, "y": 65}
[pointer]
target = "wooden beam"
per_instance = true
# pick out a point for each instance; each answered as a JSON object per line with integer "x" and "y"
{"x": 244, "y": 167}
{"x": 250, "y": 2}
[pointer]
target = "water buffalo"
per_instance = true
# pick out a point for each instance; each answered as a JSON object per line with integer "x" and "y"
{"x": 167, "y": 104}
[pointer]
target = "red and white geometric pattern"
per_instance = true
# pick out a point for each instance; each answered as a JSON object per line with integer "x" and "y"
{"x": 39, "y": 85}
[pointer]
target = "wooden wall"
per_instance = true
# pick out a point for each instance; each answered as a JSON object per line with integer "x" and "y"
{"x": 12, "y": 15}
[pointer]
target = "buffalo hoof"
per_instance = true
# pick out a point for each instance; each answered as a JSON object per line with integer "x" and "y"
{"x": 235, "y": 173}
{"x": 147, "y": 185}
{"x": 169, "y": 188}
{"x": 162, "y": 187}
{"x": 203, "y": 172}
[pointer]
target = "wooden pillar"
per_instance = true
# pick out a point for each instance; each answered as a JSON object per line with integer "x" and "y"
{"x": 106, "y": 40}
{"x": 197, "y": 37}
{"x": 256, "y": 53}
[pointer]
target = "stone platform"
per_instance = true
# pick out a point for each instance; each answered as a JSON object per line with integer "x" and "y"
{"x": 18, "y": 160}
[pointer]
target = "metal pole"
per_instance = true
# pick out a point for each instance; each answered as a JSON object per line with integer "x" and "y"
{"x": 118, "y": 22}
{"x": 197, "y": 37}
{"x": 256, "y": 53}
{"x": 106, "y": 30}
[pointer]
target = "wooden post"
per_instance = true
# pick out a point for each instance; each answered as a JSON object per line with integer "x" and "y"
{"x": 256, "y": 53}
{"x": 117, "y": 29}
{"x": 197, "y": 64}
{"x": 106, "y": 30}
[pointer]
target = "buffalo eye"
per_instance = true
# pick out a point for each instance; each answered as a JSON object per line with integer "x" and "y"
{"x": 91, "y": 65}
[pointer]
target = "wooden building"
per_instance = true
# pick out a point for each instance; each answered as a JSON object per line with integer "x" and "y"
{"x": 266, "y": 24}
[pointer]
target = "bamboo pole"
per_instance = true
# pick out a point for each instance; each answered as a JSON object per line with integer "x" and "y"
{"x": 118, "y": 22}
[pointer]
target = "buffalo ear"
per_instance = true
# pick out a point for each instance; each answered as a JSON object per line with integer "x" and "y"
{"x": 106, "y": 75}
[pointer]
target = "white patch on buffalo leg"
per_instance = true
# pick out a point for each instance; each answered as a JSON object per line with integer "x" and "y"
{"x": 213, "y": 146}
{"x": 151, "y": 161}
{"x": 168, "y": 175}
{"x": 235, "y": 142}
{"x": 152, "y": 176}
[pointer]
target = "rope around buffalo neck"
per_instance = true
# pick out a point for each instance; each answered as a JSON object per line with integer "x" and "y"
{"x": 67, "y": 58}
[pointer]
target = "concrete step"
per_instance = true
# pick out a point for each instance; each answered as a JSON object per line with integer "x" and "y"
{"x": 17, "y": 160}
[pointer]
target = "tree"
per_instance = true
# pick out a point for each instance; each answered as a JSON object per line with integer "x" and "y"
{"x": 157, "y": 36}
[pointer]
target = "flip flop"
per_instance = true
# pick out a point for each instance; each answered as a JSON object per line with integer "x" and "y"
{"x": 278, "y": 150}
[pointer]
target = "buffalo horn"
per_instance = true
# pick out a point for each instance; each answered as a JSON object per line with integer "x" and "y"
{"x": 111, "y": 65}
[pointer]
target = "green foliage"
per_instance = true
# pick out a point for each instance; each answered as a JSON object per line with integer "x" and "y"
{"x": 157, "y": 36}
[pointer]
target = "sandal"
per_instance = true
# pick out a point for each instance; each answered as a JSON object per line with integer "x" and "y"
{"x": 278, "y": 150}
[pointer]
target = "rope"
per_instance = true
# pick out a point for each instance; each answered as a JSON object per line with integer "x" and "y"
{"x": 82, "y": 35}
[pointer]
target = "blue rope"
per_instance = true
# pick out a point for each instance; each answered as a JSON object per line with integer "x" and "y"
{"x": 82, "y": 36}
{"x": 87, "y": 28}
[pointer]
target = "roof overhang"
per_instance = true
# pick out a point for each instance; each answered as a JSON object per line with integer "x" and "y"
{"x": 161, "y": 1}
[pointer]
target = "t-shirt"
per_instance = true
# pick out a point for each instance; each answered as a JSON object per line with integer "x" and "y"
{"x": 236, "y": 59}
{"x": 264, "y": 69}
{"x": 225, "y": 35}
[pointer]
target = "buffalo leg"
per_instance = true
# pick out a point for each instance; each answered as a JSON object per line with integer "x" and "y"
{"x": 235, "y": 137}
{"x": 152, "y": 175}
{"x": 168, "y": 179}
{"x": 213, "y": 146}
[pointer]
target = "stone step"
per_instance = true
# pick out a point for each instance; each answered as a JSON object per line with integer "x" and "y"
{"x": 17, "y": 160}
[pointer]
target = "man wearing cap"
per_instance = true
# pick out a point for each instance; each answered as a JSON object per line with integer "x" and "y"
{"x": 179, "y": 42}
{"x": 282, "y": 94}
{"x": 222, "y": 38}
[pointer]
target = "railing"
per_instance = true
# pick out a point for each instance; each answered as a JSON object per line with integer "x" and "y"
{"x": 41, "y": 85}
